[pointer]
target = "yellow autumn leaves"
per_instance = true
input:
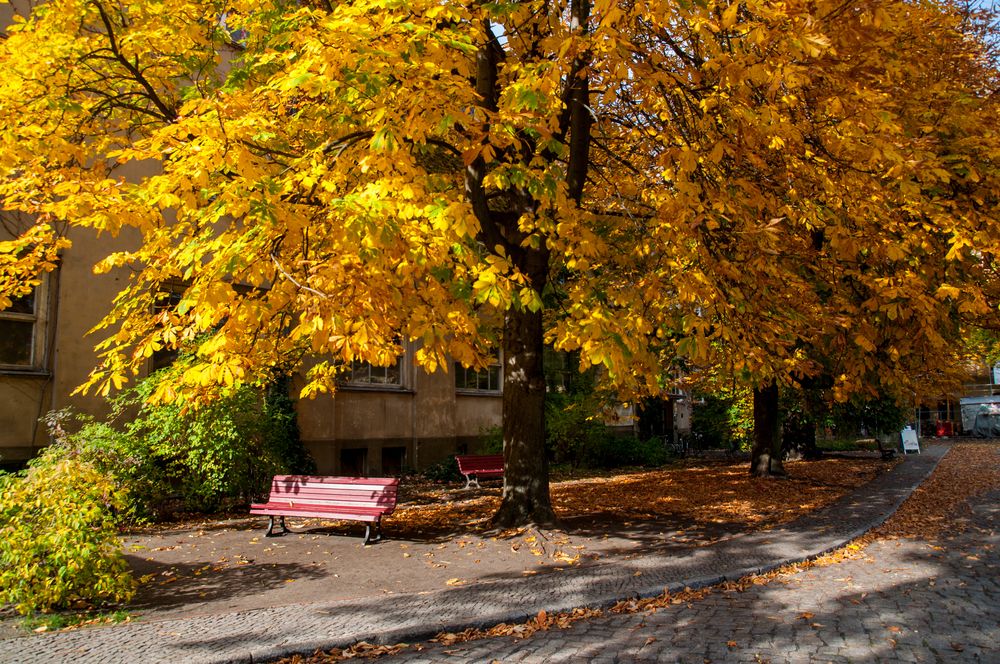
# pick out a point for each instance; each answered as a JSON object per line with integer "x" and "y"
{"x": 777, "y": 189}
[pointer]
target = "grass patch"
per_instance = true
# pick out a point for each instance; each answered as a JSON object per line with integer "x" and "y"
{"x": 847, "y": 444}
{"x": 65, "y": 620}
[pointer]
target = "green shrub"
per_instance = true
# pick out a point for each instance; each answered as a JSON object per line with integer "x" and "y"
{"x": 868, "y": 417}
{"x": 58, "y": 541}
{"x": 576, "y": 434}
{"x": 228, "y": 448}
{"x": 574, "y": 429}
{"x": 443, "y": 471}
{"x": 723, "y": 420}
{"x": 490, "y": 441}
{"x": 612, "y": 451}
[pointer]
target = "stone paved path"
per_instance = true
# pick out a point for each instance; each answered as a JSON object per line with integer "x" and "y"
{"x": 259, "y": 635}
{"x": 911, "y": 602}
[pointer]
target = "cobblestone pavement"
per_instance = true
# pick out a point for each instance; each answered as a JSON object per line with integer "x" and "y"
{"x": 911, "y": 601}
{"x": 267, "y": 634}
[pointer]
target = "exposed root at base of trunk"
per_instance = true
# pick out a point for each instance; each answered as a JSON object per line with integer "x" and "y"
{"x": 516, "y": 516}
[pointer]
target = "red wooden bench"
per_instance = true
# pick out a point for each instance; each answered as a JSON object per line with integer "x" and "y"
{"x": 474, "y": 466}
{"x": 365, "y": 499}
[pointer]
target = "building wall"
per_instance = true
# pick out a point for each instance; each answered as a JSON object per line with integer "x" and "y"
{"x": 364, "y": 429}
{"x": 71, "y": 301}
{"x": 682, "y": 414}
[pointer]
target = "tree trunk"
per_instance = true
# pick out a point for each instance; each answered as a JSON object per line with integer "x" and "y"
{"x": 765, "y": 458}
{"x": 526, "y": 470}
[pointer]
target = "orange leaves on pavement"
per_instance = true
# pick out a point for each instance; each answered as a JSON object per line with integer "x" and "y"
{"x": 445, "y": 514}
{"x": 707, "y": 491}
{"x": 968, "y": 470}
{"x": 542, "y": 621}
{"x": 356, "y": 651}
{"x": 700, "y": 492}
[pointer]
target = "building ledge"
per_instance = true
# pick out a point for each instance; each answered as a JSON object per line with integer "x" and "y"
{"x": 381, "y": 389}
{"x": 25, "y": 373}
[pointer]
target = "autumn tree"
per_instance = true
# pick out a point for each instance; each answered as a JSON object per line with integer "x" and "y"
{"x": 637, "y": 183}
{"x": 911, "y": 291}
{"x": 833, "y": 197}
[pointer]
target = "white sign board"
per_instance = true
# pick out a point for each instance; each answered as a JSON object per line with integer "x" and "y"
{"x": 996, "y": 373}
{"x": 910, "y": 443}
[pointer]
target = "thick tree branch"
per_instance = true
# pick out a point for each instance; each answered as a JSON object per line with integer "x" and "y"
{"x": 581, "y": 116}
{"x": 487, "y": 66}
{"x": 167, "y": 113}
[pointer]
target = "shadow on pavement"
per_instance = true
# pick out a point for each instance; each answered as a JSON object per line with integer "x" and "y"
{"x": 179, "y": 584}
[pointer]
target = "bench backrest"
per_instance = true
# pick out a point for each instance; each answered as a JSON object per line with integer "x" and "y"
{"x": 377, "y": 492}
{"x": 468, "y": 463}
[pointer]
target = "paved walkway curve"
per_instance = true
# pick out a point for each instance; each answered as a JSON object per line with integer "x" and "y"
{"x": 266, "y": 634}
{"x": 908, "y": 601}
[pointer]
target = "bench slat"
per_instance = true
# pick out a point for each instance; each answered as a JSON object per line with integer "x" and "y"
{"x": 278, "y": 509}
{"x": 336, "y": 495}
{"x": 386, "y": 507}
{"x": 473, "y": 463}
{"x": 331, "y": 479}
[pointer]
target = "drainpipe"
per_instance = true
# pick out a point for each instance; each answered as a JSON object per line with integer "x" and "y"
{"x": 412, "y": 368}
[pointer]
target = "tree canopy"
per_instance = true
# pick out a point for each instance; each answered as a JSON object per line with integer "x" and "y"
{"x": 735, "y": 183}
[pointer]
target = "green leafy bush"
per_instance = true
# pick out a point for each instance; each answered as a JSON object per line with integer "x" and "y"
{"x": 443, "y": 471}
{"x": 573, "y": 429}
{"x": 490, "y": 441}
{"x": 611, "y": 451}
{"x": 576, "y": 434}
{"x": 868, "y": 417}
{"x": 58, "y": 540}
{"x": 228, "y": 448}
{"x": 723, "y": 419}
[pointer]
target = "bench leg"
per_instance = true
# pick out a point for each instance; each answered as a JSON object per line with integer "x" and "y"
{"x": 470, "y": 480}
{"x": 270, "y": 527}
{"x": 375, "y": 526}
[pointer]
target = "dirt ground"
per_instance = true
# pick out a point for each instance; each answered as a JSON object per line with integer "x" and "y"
{"x": 439, "y": 536}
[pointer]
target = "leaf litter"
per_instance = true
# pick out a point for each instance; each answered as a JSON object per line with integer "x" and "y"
{"x": 970, "y": 469}
{"x": 698, "y": 491}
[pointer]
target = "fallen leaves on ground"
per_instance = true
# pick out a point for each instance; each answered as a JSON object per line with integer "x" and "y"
{"x": 698, "y": 492}
{"x": 358, "y": 650}
{"x": 970, "y": 469}
{"x": 967, "y": 471}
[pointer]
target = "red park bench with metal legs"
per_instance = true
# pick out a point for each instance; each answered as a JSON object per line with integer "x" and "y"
{"x": 365, "y": 499}
{"x": 475, "y": 466}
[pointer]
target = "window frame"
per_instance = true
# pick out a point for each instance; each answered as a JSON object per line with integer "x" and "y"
{"x": 171, "y": 292}
{"x": 345, "y": 380}
{"x": 38, "y": 319}
{"x": 466, "y": 372}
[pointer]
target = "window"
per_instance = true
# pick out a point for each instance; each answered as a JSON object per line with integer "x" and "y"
{"x": 482, "y": 380}
{"x": 393, "y": 459}
{"x": 354, "y": 462}
{"x": 20, "y": 332}
{"x": 366, "y": 373}
{"x": 560, "y": 370}
{"x": 166, "y": 300}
